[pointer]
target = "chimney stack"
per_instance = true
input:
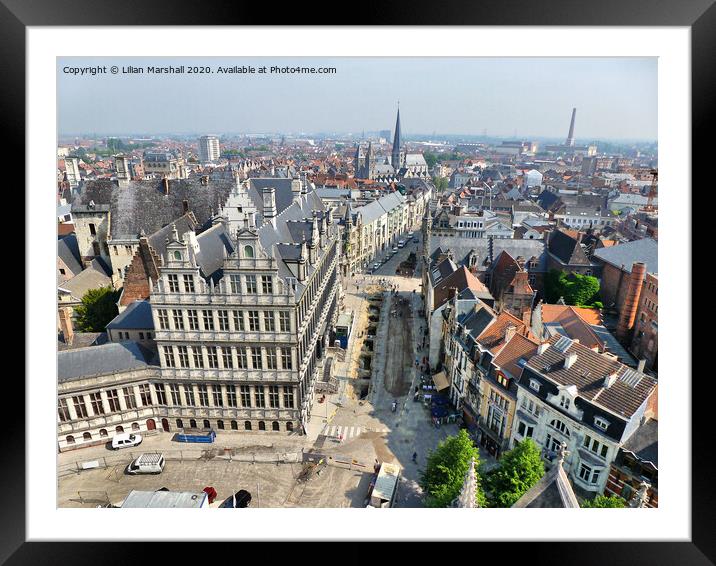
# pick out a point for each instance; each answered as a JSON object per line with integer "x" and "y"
{"x": 640, "y": 365}
{"x": 631, "y": 302}
{"x": 269, "y": 196}
{"x": 185, "y": 206}
{"x": 569, "y": 360}
{"x": 165, "y": 186}
{"x": 68, "y": 332}
{"x": 510, "y": 332}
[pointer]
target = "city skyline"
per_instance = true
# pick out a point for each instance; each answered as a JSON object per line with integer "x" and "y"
{"x": 494, "y": 97}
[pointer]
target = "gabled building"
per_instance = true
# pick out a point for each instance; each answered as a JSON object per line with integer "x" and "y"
{"x": 570, "y": 394}
{"x": 565, "y": 253}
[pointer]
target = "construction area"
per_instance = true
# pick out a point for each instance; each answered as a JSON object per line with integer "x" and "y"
{"x": 321, "y": 482}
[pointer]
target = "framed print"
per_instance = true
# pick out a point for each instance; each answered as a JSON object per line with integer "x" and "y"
{"x": 404, "y": 264}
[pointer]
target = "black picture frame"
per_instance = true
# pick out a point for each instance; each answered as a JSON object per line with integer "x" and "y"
{"x": 699, "y": 15}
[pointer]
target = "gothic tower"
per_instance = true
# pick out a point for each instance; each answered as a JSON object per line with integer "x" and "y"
{"x": 397, "y": 142}
{"x": 369, "y": 161}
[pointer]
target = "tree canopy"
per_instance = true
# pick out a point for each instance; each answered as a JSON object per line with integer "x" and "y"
{"x": 603, "y": 501}
{"x": 577, "y": 290}
{"x": 445, "y": 472}
{"x": 98, "y": 308}
{"x": 440, "y": 183}
{"x": 519, "y": 470}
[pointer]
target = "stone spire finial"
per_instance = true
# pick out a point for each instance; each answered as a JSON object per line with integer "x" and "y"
{"x": 468, "y": 493}
{"x": 175, "y": 233}
{"x": 641, "y": 498}
{"x": 562, "y": 453}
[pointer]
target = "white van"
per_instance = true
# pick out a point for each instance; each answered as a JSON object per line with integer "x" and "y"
{"x": 126, "y": 440}
{"x": 147, "y": 464}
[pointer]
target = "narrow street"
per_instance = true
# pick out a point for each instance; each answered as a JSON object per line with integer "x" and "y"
{"x": 370, "y": 429}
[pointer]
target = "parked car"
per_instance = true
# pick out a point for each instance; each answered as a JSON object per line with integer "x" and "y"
{"x": 410, "y": 235}
{"x": 401, "y": 244}
{"x": 147, "y": 464}
{"x": 126, "y": 440}
{"x": 415, "y": 240}
{"x": 395, "y": 249}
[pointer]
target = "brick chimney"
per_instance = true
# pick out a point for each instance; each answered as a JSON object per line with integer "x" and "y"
{"x": 510, "y": 332}
{"x": 68, "y": 333}
{"x": 165, "y": 186}
{"x": 631, "y": 301}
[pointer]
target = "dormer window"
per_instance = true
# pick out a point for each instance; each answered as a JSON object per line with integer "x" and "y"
{"x": 534, "y": 384}
{"x": 564, "y": 402}
{"x": 177, "y": 255}
{"x": 248, "y": 251}
{"x": 601, "y": 423}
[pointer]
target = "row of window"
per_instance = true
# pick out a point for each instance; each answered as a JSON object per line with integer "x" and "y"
{"x": 142, "y": 335}
{"x": 233, "y": 357}
{"x": 178, "y": 395}
{"x": 224, "y": 320}
{"x": 237, "y": 284}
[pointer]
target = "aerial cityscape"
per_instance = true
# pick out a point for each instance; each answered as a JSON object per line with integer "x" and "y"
{"x": 331, "y": 317}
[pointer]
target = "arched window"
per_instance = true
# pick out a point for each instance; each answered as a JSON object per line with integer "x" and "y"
{"x": 192, "y": 423}
{"x": 234, "y": 425}
{"x": 119, "y": 429}
{"x": 87, "y": 436}
{"x": 247, "y": 425}
{"x": 177, "y": 255}
{"x": 180, "y": 423}
{"x": 262, "y": 425}
{"x": 207, "y": 424}
{"x": 103, "y": 432}
{"x": 135, "y": 426}
{"x": 560, "y": 426}
{"x": 275, "y": 426}
{"x": 70, "y": 439}
{"x": 220, "y": 425}
{"x": 289, "y": 426}
{"x": 248, "y": 251}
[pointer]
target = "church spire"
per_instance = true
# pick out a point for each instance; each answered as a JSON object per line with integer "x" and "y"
{"x": 468, "y": 493}
{"x": 397, "y": 141}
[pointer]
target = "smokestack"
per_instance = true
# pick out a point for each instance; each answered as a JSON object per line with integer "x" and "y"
{"x": 631, "y": 302}
{"x": 68, "y": 332}
{"x": 570, "y": 137}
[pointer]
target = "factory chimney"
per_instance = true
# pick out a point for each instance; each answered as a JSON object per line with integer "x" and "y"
{"x": 570, "y": 137}
{"x": 631, "y": 302}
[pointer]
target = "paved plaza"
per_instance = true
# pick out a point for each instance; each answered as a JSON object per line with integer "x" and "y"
{"x": 353, "y": 427}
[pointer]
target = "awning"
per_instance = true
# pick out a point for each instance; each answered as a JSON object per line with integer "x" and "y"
{"x": 440, "y": 380}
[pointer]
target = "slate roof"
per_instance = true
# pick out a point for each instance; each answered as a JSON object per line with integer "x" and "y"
{"x": 644, "y": 443}
{"x": 645, "y": 250}
{"x": 284, "y": 194}
{"x": 106, "y": 359}
{"x": 553, "y": 490}
{"x": 184, "y": 224}
{"x": 567, "y": 249}
{"x": 461, "y": 248}
{"x": 142, "y": 205}
{"x": 212, "y": 243}
{"x": 587, "y": 373}
{"x": 138, "y": 315}
{"x": 68, "y": 251}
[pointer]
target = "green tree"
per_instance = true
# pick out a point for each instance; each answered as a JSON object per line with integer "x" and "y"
{"x": 98, "y": 308}
{"x": 575, "y": 289}
{"x": 441, "y": 183}
{"x": 519, "y": 470}
{"x": 602, "y": 501}
{"x": 430, "y": 158}
{"x": 446, "y": 468}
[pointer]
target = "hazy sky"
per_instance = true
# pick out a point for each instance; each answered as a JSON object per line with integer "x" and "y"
{"x": 616, "y": 98}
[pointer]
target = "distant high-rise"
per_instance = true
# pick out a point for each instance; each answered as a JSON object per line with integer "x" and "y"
{"x": 395, "y": 154}
{"x": 570, "y": 137}
{"x": 209, "y": 148}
